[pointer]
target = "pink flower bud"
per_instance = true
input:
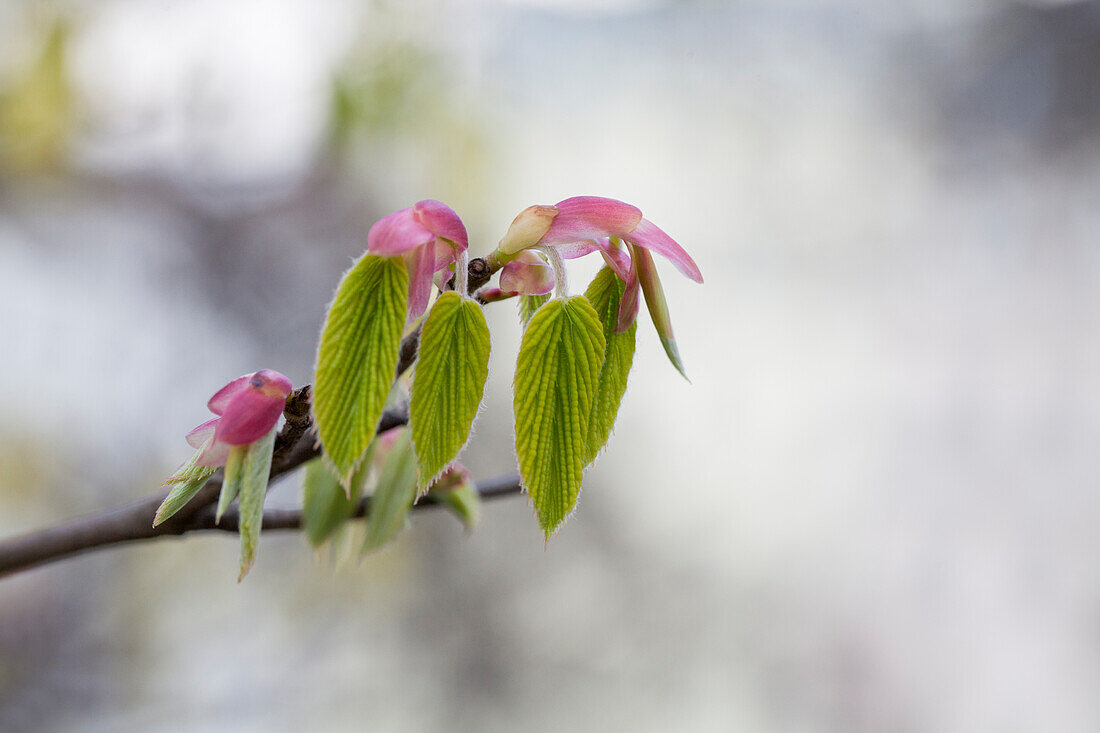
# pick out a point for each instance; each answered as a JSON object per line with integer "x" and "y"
{"x": 528, "y": 228}
{"x": 528, "y": 274}
{"x": 428, "y": 236}
{"x": 249, "y": 408}
{"x": 587, "y": 224}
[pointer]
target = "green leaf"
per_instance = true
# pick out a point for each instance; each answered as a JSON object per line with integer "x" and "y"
{"x": 556, "y": 374}
{"x": 231, "y": 479}
{"x": 254, "y": 476}
{"x": 325, "y": 503}
{"x": 183, "y": 484}
{"x": 448, "y": 382}
{"x": 605, "y": 292}
{"x": 356, "y": 359}
{"x": 657, "y": 305}
{"x": 394, "y": 495}
{"x": 528, "y": 304}
{"x": 457, "y": 491}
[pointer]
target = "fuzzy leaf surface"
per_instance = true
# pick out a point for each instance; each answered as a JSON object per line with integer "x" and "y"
{"x": 356, "y": 359}
{"x": 325, "y": 503}
{"x": 255, "y": 470}
{"x": 448, "y": 382}
{"x": 556, "y": 375}
{"x": 393, "y": 496}
{"x": 605, "y": 292}
{"x": 528, "y": 304}
{"x": 232, "y": 476}
{"x": 183, "y": 485}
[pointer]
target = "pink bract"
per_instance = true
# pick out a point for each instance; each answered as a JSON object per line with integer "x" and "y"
{"x": 249, "y": 408}
{"x": 428, "y": 236}
{"x": 528, "y": 274}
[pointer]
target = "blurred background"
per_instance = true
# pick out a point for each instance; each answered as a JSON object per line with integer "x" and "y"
{"x": 874, "y": 508}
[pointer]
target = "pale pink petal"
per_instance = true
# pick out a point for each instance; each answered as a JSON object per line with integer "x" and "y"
{"x": 444, "y": 255}
{"x": 491, "y": 295}
{"x": 573, "y": 250}
{"x": 221, "y": 398}
{"x": 590, "y": 217}
{"x": 630, "y": 303}
{"x": 197, "y": 438}
{"x": 442, "y": 221}
{"x": 248, "y": 417}
{"x": 616, "y": 257}
{"x": 420, "y": 264}
{"x": 529, "y": 274}
{"x": 650, "y": 236}
{"x": 214, "y": 455}
{"x": 442, "y": 277}
{"x": 397, "y": 233}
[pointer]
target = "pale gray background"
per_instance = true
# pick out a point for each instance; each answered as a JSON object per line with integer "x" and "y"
{"x": 874, "y": 509}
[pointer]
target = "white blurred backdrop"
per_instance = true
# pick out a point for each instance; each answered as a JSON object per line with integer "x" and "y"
{"x": 874, "y": 508}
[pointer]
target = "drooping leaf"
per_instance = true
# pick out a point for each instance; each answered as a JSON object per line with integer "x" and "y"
{"x": 356, "y": 359}
{"x": 394, "y": 495}
{"x": 254, "y": 477}
{"x": 605, "y": 292}
{"x": 528, "y": 304}
{"x": 448, "y": 382}
{"x": 325, "y": 503}
{"x": 456, "y": 490}
{"x": 231, "y": 479}
{"x": 657, "y": 305}
{"x": 183, "y": 485}
{"x": 556, "y": 374}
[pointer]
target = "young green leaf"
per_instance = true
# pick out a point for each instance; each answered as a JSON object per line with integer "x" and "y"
{"x": 394, "y": 494}
{"x": 605, "y": 292}
{"x": 448, "y": 382}
{"x": 357, "y": 356}
{"x": 184, "y": 484}
{"x": 457, "y": 491}
{"x": 325, "y": 503}
{"x": 655, "y": 301}
{"x": 528, "y": 304}
{"x": 254, "y": 475}
{"x": 559, "y": 364}
{"x": 231, "y": 479}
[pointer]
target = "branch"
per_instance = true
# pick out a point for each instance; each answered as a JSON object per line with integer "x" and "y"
{"x": 493, "y": 488}
{"x": 134, "y": 523}
{"x": 296, "y": 444}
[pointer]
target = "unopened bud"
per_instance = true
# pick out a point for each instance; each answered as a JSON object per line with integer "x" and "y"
{"x": 528, "y": 228}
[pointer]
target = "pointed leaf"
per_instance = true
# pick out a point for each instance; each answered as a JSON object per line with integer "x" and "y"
{"x": 325, "y": 503}
{"x": 356, "y": 359}
{"x": 605, "y": 293}
{"x": 184, "y": 484}
{"x": 394, "y": 495}
{"x": 556, "y": 374}
{"x": 231, "y": 479}
{"x": 528, "y": 304}
{"x": 448, "y": 382}
{"x": 254, "y": 477}
{"x": 657, "y": 305}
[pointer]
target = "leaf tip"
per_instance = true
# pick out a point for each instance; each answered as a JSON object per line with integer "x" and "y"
{"x": 673, "y": 354}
